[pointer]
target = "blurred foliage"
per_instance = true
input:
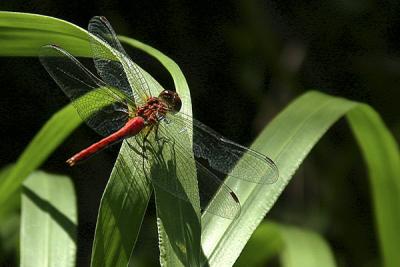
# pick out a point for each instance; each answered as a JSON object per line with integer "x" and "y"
{"x": 244, "y": 61}
{"x": 295, "y": 247}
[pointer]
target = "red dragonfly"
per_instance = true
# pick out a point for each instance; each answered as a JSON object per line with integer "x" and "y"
{"x": 120, "y": 106}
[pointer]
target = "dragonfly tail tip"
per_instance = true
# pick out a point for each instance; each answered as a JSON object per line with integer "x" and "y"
{"x": 71, "y": 162}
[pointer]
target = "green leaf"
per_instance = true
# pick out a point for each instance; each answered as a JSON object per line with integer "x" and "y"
{"x": 120, "y": 216}
{"x": 9, "y": 226}
{"x": 297, "y": 247}
{"x": 50, "y": 136}
{"x": 23, "y": 34}
{"x": 287, "y": 140}
{"x": 304, "y": 248}
{"x": 179, "y": 235}
{"x": 48, "y": 221}
{"x": 119, "y": 219}
{"x": 381, "y": 155}
{"x": 265, "y": 243}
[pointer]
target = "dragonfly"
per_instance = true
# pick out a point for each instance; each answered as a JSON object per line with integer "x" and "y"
{"x": 119, "y": 106}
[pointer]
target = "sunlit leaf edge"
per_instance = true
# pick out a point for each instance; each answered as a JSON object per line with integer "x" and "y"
{"x": 287, "y": 140}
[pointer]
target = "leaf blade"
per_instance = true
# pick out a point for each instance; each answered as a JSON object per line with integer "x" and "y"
{"x": 304, "y": 248}
{"x": 377, "y": 146}
{"x": 23, "y": 34}
{"x": 170, "y": 231}
{"x": 287, "y": 140}
{"x": 48, "y": 221}
{"x": 50, "y": 136}
{"x": 295, "y": 246}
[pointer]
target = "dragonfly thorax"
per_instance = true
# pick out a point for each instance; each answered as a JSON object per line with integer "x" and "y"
{"x": 153, "y": 111}
{"x": 156, "y": 108}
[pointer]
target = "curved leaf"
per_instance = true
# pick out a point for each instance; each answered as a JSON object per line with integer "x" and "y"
{"x": 50, "y": 136}
{"x": 23, "y": 34}
{"x": 296, "y": 247}
{"x": 304, "y": 248}
{"x": 287, "y": 140}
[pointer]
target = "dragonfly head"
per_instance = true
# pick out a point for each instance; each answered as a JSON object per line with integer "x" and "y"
{"x": 172, "y": 100}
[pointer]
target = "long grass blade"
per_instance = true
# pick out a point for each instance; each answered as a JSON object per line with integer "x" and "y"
{"x": 50, "y": 136}
{"x": 48, "y": 221}
{"x": 287, "y": 140}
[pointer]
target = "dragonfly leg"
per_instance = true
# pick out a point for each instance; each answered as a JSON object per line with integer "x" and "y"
{"x": 162, "y": 139}
{"x": 157, "y": 138}
{"x": 156, "y": 132}
{"x": 147, "y": 134}
{"x": 136, "y": 150}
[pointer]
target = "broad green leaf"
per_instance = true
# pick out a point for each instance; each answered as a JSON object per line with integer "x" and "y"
{"x": 297, "y": 247}
{"x": 48, "y": 221}
{"x": 304, "y": 248}
{"x": 23, "y": 34}
{"x": 287, "y": 140}
{"x": 381, "y": 155}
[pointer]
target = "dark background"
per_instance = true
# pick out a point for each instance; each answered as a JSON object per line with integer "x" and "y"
{"x": 244, "y": 62}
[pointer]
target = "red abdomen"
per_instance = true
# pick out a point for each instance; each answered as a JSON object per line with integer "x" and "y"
{"x": 131, "y": 128}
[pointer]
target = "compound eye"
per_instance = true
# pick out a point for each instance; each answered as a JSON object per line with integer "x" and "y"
{"x": 177, "y": 103}
{"x": 172, "y": 100}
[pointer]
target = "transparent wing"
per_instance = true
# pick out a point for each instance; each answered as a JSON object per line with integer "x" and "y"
{"x": 103, "y": 108}
{"x": 227, "y": 205}
{"x": 224, "y": 204}
{"x": 112, "y": 62}
{"x": 215, "y": 158}
{"x": 222, "y": 154}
